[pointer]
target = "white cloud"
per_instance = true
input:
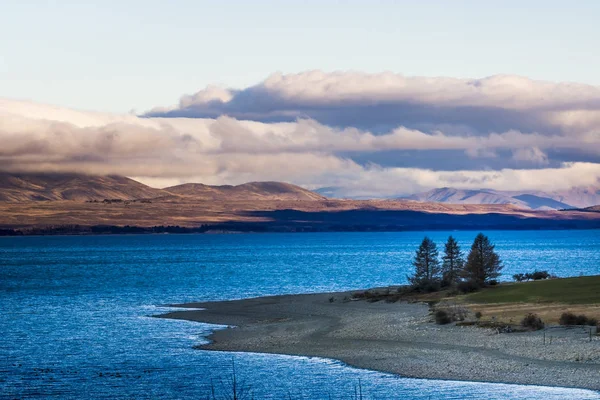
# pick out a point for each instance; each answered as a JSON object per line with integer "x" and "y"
{"x": 532, "y": 154}
{"x": 371, "y": 101}
{"x": 507, "y": 91}
{"x": 226, "y": 150}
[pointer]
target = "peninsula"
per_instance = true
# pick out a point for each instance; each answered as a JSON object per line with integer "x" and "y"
{"x": 400, "y": 337}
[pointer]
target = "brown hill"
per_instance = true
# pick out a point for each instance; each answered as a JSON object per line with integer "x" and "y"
{"x": 79, "y": 187}
{"x": 246, "y": 191}
{"x": 592, "y": 209}
{"x": 71, "y": 186}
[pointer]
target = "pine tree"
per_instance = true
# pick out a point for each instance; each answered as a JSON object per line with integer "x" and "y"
{"x": 452, "y": 262}
{"x": 483, "y": 264}
{"x": 427, "y": 265}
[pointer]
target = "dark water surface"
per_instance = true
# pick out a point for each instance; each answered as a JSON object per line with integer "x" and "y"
{"x": 74, "y": 311}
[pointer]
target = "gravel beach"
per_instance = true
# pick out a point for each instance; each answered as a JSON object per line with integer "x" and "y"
{"x": 398, "y": 338}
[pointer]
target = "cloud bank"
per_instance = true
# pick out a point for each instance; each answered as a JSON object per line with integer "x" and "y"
{"x": 362, "y": 135}
{"x": 385, "y": 101}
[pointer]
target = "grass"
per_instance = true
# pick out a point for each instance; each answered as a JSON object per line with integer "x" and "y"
{"x": 509, "y": 303}
{"x": 549, "y": 299}
{"x": 580, "y": 290}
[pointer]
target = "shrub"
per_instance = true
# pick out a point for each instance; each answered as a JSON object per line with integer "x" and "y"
{"x": 568, "y": 318}
{"x": 493, "y": 282}
{"x": 538, "y": 275}
{"x": 430, "y": 287}
{"x": 478, "y": 315}
{"x": 442, "y": 317}
{"x": 533, "y": 322}
{"x": 467, "y": 286}
{"x": 532, "y": 276}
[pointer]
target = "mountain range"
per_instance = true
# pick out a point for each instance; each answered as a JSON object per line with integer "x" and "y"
{"x": 579, "y": 197}
{"x": 245, "y": 192}
{"x": 18, "y": 187}
{"x": 69, "y": 203}
{"x": 79, "y": 187}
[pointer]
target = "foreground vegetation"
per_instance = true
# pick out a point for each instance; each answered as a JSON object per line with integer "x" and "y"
{"x": 518, "y": 306}
{"x": 580, "y": 290}
{"x": 481, "y": 267}
{"x": 565, "y": 301}
{"x": 466, "y": 290}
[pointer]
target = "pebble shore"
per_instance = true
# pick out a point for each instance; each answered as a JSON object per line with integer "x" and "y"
{"x": 399, "y": 338}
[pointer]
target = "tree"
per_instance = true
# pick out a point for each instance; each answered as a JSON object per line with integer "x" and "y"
{"x": 452, "y": 262}
{"x": 427, "y": 265}
{"x": 483, "y": 263}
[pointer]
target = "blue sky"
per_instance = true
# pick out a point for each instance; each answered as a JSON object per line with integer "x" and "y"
{"x": 122, "y": 55}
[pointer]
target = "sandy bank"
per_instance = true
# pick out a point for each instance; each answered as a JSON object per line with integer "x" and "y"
{"x": 398, "y": 338}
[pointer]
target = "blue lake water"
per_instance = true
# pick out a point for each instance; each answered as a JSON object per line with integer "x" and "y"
{"x": 74, "y": 311}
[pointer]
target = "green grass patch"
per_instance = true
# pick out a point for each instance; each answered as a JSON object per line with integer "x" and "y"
{"x": 580, "y": 290}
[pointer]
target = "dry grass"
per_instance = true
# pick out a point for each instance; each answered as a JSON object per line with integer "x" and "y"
{"x": 509, "y": 303}
{"x": 513, "y": 313}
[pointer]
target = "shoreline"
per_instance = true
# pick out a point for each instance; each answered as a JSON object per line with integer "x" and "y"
{"x": 397, "y": 338}
{"x": 115, "y": 230}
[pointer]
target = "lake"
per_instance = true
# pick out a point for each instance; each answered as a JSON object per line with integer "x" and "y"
{"x": 76, "y": 310}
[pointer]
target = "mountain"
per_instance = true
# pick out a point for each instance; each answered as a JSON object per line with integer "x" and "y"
{"x": 79, "y": 187}
{"x": 580, "y": 197}
{"x": 590, "y": 209}
{"x": 246, "y": 191}
{"x": 458, "y": 196}
{"x": 537, "y": 202}
{"x": 530, "y": 200}
{"x": 33, "y": 202}
{"x": 71, "y": 186}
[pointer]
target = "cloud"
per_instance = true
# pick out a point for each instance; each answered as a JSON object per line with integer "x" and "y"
{"x": 380, "y": 102}
{"x": 532, "y": 154}
{"x": 389, "y": 182}
{"x": 364, "y": 135}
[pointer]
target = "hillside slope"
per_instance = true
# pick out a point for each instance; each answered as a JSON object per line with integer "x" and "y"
{"x": 71, "y": 186}
{"x": 535, "y": 200}
{"x": 458, "y": 196}
{"x": 246, "y": 191}
{"x": 21, "y": 187}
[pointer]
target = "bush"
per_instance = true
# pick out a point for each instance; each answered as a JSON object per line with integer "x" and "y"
{"x": 478, "y": 315}
{"x": 467, "y": 286}
{"x": 532, "y": 276}
{"x": 539, "y": 275}
{"x": 533, "y": 322}
{"x": 442, "y": 317}
{"x": 430, "y": 287}
{"x": 493, "y": 282}
{"x": 568, "y": 318}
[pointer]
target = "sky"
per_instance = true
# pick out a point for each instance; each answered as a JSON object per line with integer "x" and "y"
{"x": 128, "y": 55}
{"x": 367, "y": 99}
